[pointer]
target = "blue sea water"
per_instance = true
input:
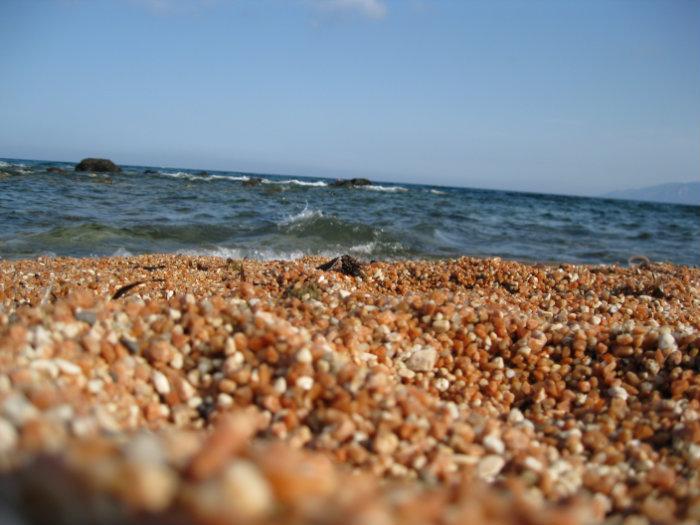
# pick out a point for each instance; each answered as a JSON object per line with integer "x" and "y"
{"x": 221, "y": 213}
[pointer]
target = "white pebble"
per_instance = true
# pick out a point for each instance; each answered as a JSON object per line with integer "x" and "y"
{"x": 490, "y": 466}
{"x": 95, "y": 385}
{"x": 161, "y": 383}
{"x": 305, "y": 382}
{"x": 442, "y": 384}
{"x": 247, "y": 490}
{"x": 177, "y": 361}
{"x": 68, "y": 368}
{"x": 8, "y": 436}
{"x": 515, "y": 416}
{"x": 441, "y": 325}
{"x": 224, "y": 400}
{"x": 667, "y": 342}
{"x": 280, "y": 385}
{"x": 618, "y": 392}
{"x": 18, "y": 409}
{"x": 422, "y": 360}
{"x": 494, "y": 443}
{"x": 230, "y": 346}
{"x": 532, "y": 464}
{"x": 304, "y": 356}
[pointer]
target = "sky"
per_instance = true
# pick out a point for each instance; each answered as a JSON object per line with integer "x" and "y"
{"x": 547, "y": 96}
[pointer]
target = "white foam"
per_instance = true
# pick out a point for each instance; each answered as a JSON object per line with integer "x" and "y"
{"x": 303, "y": 215}
{"x": 122, "y": 252}
{"x": 4, "y": 164}
{"x": 297, "y": 182}
{"x": 267, "y": 254}
{"x": 245, "y": 253}
{"x": 184, "y": 175}
{"x": 390, "y": 189}
{"x": 229, "y": 177}
{"x": 438, "y": 192}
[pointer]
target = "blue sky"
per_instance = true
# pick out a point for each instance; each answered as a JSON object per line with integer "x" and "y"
{"x": 554, "y": 96}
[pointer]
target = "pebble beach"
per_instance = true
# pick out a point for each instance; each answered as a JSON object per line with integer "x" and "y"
{"x": 204, "y": 390}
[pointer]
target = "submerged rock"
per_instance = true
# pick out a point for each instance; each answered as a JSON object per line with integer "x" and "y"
{"x": 351, "y": 183}
{"x": 346, "y": 265}
{"x": 97, "y": 166}
{"x": 253, "y": 181}
{"x": 202, "y": 173}
{"x": 54, "y": 169}
{"x": 150, "y": 172}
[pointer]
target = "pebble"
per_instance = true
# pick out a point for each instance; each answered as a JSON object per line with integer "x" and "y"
{"x": 494, "y": 444}
{"x": 8, "y": 436}
{"x": 305, "y": 382}
{"x": 490, "y": 466}
{"x": 442, "y": 384}
{"x": 667, "y": 342}
{"x": 161, "y": 383}
{"x": 304, "y": 356}
{"x": 17, "y": 409}
{"x": 422, "y": 360}
{"x": 618, "y": 392}
{"x": 247, "y": 490}
{"x": 86, "y": 316}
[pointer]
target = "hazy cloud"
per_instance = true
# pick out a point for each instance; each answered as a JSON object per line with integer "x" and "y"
{"x": 374, "y": 9}
{"x": 370, "y": 8}
{"x": 165, "y": 7}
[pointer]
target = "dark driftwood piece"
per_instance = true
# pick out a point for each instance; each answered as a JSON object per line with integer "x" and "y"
{"x": 345, "y": 264}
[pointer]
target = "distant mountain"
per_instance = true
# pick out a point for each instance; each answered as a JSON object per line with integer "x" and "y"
{"x": 672, "y": 192}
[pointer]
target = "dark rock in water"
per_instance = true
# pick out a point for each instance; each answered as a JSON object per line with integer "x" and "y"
{"x": 202, "y": 174}
{"x": 345, "y": 264}
{"x": 351, "y": 183}
{"x": 54, "y": 169}
{"x": 97, "y": 166}
{"x": 253, "y": 181}
{"x": 150, "y": 172}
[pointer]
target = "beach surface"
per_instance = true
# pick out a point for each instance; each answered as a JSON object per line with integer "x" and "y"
{"x": 205, "y": 390}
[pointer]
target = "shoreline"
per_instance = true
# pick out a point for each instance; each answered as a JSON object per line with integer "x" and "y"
{"x": 485, "y": 390}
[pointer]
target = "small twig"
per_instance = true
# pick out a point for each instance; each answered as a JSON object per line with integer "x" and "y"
{"x": 121, "y": 292}
{"x": 125, "y": 289}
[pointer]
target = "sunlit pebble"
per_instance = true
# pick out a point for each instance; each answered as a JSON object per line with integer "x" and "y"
{"x": 224, "y": 400}
{"x": 493, "y": 443}
{"x": 67, "y": 367}
{"x": 442, "y": 384}
{"x": 667, "y": 342}
{"x": 8, "y": 436}
{"x": 490, "y": 466}
{"x": 161, "y": 383}
{"x": 533, "y": 464}
{"x": 618, "y": 392}
{"x": 305, "y": 382}
{"x": 304, "y": 356}
{"x": 280, "y": 385}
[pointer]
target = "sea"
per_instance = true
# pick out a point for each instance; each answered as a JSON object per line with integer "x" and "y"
{"x": 147, "y": 209}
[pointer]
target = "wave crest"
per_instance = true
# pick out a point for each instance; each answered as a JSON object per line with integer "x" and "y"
{"x": 389, "y": 189}
{"x": 303, "y": 215}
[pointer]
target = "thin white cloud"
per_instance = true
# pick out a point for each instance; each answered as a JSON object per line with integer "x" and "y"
{"x": 164, "y": 7}
{"x": 373, "y": 9}
{"x": 370, "y": 8}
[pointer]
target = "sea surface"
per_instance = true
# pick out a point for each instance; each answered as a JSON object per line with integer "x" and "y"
{"x": 220, "y": 213}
